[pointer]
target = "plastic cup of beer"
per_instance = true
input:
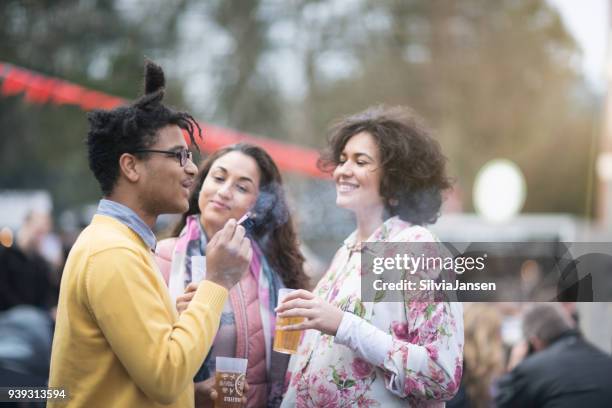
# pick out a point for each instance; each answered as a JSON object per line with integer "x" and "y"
{"x": 286, "y": 341}
{"x": 230, "y": 376}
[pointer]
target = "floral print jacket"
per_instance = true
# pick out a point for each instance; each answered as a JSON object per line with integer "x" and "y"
{"x": 384, "y": 353}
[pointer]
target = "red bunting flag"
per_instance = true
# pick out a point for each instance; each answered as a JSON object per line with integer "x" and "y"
{"x": 40, "y": 89}
{"x": 15, "y": 82}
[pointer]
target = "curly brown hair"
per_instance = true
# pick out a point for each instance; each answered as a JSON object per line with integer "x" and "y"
{"x": 414, "y": 168}
{"x": 274, "y": 231}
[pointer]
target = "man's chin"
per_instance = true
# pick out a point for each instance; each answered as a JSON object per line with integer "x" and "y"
{"x": 183, "y": 208}
{"x": 178, "y": 208}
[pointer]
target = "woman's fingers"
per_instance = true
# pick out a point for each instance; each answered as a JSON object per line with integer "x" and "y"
{"x": 183, "y": 301}
{"x": 295, "y": 303}
{"x": 305, "y": 325}
{"x": 245, "y": 392}
{"x": 185, "y": 297}
{"x": 181, "y": 307}
{"x": 299, "y": 312}
{"x": 298, "y": 294}
{"x": 213, "y": 393}
{"x": 204, "y": 395}
{"x": 192, "y": 287}
{"x": 319, "y": 315}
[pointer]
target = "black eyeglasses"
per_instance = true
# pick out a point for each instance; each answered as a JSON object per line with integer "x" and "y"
{"x": 181, "y": 155}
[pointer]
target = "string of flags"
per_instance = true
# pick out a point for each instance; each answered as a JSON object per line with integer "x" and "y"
{"x": 41, "y": 89}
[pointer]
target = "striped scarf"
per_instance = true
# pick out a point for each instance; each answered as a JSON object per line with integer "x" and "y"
{"x": 190, "y": 250}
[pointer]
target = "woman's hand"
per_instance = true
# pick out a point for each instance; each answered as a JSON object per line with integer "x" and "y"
{"x": 319, "y": 314}
{"x": 183, "y": 301}
{"x": 205, "y": 393}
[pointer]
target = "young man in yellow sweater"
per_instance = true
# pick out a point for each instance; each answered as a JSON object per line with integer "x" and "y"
{"x": 118, "y": 339}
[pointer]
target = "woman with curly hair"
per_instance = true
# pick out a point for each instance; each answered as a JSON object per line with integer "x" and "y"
{"x": 390, "y": 173}
{"x": 231, "y": 182}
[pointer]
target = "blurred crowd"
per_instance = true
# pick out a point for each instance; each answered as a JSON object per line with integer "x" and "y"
{"x": 29, "y": 279}
{"x": 31, "y": 261}
{"x": 515, "y": 354}
{"x": 530, "y": 355}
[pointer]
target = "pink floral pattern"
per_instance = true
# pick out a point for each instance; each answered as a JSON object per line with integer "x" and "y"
{"x": 423, "y": 365}
{"x": 361, "y": 368}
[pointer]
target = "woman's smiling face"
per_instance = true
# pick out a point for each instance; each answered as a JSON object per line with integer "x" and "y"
{"x": 229, "y": 190}
{"x": 358, "y": 175}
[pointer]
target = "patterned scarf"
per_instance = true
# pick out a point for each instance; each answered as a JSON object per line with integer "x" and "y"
{"x": 190, "y": 249}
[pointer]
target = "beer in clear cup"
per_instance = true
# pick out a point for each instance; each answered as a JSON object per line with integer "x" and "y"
{"x": 230, "y": 376}
{"x": 286, "y": 341}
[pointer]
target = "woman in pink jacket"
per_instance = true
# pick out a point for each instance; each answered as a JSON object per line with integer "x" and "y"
{"x": 232, "y": 182}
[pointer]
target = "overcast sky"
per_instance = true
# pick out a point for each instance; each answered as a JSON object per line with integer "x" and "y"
{"x": 587, "y": 20}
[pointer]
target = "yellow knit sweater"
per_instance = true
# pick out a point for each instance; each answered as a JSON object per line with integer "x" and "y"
{"x": 118, "y": 339}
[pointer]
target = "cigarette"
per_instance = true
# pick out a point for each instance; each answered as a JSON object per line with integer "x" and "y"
{"x": 244, "y": 217}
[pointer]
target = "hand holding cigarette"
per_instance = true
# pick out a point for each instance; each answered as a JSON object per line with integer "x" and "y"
{"x": 228, "y": 255}
{"x": 247, "y": 221}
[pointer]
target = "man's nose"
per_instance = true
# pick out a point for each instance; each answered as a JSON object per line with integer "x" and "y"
{"x": 191, "y": 168}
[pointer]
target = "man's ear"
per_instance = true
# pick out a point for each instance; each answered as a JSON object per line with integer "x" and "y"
{"x": 130, "y": 167}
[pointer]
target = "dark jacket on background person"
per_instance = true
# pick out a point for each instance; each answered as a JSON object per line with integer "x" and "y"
{"x": 26, "y": 327}
{"x": 568, "y": 373}
{"x": 25, "y": 279}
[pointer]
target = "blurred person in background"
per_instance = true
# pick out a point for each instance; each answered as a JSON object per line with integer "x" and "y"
{"x": 554, "y": 366}
{"x": 118, "y": 339}
{"x": 390, "y": 172}
{"x": 483, "y": 356}
{"x": 26, "y": 277}
{"x": 232, "y": 181}
{"x": 28, "y": 295}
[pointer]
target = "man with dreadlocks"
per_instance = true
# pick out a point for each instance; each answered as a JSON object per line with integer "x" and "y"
{"x": 118, "y": 340}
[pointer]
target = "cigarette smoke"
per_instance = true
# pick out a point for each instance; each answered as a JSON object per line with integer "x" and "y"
{"x": 270, "y": 210}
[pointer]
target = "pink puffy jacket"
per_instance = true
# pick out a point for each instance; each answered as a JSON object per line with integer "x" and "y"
{"x": 250, "y": 342}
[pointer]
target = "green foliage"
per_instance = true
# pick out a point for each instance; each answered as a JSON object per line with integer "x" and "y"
{"x": 340, "y": 383}
{"x": 92, "y": 43}
{"x": 495, "y": 79}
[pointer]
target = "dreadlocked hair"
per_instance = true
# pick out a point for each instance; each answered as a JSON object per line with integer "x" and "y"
{"x": 127, "y": 129}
